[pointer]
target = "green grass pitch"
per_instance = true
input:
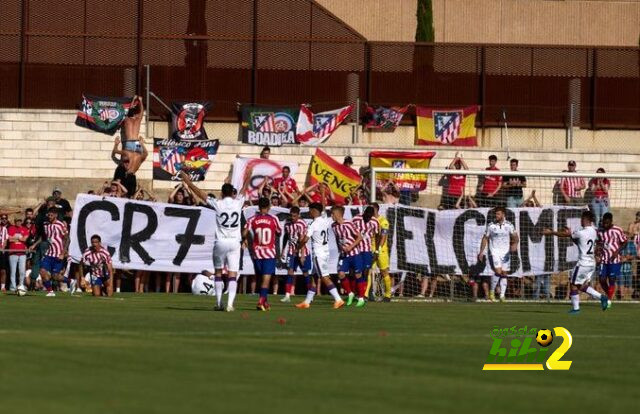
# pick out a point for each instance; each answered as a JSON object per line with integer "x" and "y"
{"x": 172, "y": 354}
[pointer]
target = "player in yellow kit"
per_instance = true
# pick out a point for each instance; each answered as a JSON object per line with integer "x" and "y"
{"x": 381, "y": 251}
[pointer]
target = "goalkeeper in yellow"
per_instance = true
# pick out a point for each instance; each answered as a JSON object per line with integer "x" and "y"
{"x": 381, "y": 253}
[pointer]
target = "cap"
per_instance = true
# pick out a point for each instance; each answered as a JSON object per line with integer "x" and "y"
{"x": 56, "y": 190}
{"x": 50, "y": 199}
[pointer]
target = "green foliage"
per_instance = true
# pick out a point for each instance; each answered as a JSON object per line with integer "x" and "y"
{"x": 424, "y": 30}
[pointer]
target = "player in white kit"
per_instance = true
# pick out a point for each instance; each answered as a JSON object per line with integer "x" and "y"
{"x": 585, "y": 238}
{"x": 318, "y": 232}
{"x": 203, "y": 285}
{"x": 502, "y": 239}
{"x": 226, "y": 251}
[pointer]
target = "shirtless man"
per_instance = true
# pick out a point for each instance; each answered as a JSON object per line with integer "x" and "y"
{"x": 133, "y": 152}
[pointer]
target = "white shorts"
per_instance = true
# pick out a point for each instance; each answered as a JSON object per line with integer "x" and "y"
{"x": 321, "y": 264}
{"x": 581, "y": 275}
{"x": 501, "y": 260}
{"x": 227, "y": 253}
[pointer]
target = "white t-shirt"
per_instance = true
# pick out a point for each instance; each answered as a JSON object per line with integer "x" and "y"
{"x": 202, "y": 285}
{"x": 318, "y": 232}
{"x": 499, "y": 235}
{"x": 228, "y": 217}
{"x": 585, "y": 238}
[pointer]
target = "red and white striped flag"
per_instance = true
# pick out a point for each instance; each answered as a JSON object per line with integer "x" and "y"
{"x": 314, "y": 129}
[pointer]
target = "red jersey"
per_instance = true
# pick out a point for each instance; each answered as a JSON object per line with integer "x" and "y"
{"x": 368, "y": 231}
{"x": 20, "y": 245}
{"x": 610, "y": 241}
{"x": 599, "y": 192}
{"x": 570, "y": 186}
{"x": 264, "y": 228}
{"x": 97, "y": 261}
{"x": 296, "y": 230}
{"x": 288, "y": 184}
{"x": 346, "y": 233}
{"x": 55, "y": 233}
{"x": 491, "y": 182}
{"x": 456, "y": 185}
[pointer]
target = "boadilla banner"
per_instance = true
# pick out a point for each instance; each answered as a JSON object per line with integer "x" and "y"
{"x": 268, "y": 125}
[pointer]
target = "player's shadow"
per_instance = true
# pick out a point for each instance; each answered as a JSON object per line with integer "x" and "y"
{"x": 209, "y": 309}
{"x": 534, "y": 311}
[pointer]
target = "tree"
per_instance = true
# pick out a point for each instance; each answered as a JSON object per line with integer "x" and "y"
{"x": 424, "y": 30}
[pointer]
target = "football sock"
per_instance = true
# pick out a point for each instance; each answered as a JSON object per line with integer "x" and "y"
{"x": 594, "y": 293}
{"x": 264, "y": 293}
{"x": 503, "y": 286}
{"x": 611, "y": 291}
{"x": 2, "y": 286}
{"x": 66, "y": 281}
{"x": 387, "y": 286}
{"x": 346, "y": 284}
{"x": 334, "y": 292}
{"x": 289, "y": 286}
{"x": 46, "y": 283}
{"x": 233, "y": 287}
{"x": 361, "y": 284}
{"x": 117, "y": 290}
{"x": 219, "y": 287}
{"x": 310, "y": 294}
{"x": 575, "y": 300}
{"x": 494, "y": 282}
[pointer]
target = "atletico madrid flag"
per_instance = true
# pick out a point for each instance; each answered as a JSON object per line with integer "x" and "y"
{"x": 314, "y": 129}
{"x": 451, "y": 126}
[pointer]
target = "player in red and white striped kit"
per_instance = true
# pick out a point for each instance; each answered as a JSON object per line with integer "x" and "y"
{"x": 100, "y": 266}
{"x": 295, "y": 255}
{"x": 265, "y": 233}
{"x": 369, "y": 228}
{"x": 51, "y": 265}
{"x": 611, "y": 240}
{"x": 348, "y": 238}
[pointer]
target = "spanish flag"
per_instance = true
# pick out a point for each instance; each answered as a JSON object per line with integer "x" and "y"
{"x": 401, "y": 159}
{"x": 342, "y": 180}
{"x": 447, "y": 126}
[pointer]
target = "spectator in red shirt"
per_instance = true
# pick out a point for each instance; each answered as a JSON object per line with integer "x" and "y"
{"x": 571, "y": 188}
{"x": 18, "y": 235}
{"x": 491, "y": 185}
{"x": 455, "y": 183}
{"x": 286, "y": 185}
{"x": 599, "y": 188}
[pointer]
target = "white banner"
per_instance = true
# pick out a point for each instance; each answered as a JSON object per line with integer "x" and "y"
{"x": 145, "y": 236}
{"x": 426, "y": 241}
{"x": 256, "y": 170}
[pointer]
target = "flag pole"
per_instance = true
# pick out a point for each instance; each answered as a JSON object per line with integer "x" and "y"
{"x": 506, "y": 131}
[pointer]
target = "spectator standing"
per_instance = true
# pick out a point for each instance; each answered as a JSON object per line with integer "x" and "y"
{"x": 634, "y": 231}
{"x": 18, "y": 235}
{"x": 599, "y": 189}
{"x": 265, "y": 153}
{"x": 4, "y": 256}
{"x": 491, "y": 185}
{"x": 455, "y": 183}
{"x": 513, "y": 186}
{"x": 571, "y": 188}
{"x": 62, "y": 204}
{"x": 286, "y": 185}
{"x": 629, "y": 255}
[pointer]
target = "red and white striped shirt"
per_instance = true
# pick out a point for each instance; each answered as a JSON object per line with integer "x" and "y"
{"x": 571, "y": 186}
{"x": 4, "y": 236}
{"x": 610, "y": 241}
{"x": 346, "y": 233}
{"x": 264, "y": 228}
{"x": 55, "y": 233}
{"x": 97, "y": 261}
{"x": 368, "y": 231}
{"x": 295, "y": 231}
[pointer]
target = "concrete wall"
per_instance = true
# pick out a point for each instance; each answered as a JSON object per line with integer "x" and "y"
{"x": 40, "y": 149}
{"x": 566, "y": 22}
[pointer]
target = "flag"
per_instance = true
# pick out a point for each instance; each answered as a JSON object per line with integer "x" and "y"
{"x": 342, "y": 180}
{"x": 259, "y": 170}
{"x": 446, "y": 126}
{"x": 102, "y": 114}
{"x": 383, "y": 118}
{"x": 188, "y": 120}
{"x": 314, "y": 129}
{"x": 269, "y": 126}
{"x": 401, "y": 159}
{"x": 171, "y": 156}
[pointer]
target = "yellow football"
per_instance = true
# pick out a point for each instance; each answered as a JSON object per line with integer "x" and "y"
{"x": 544, "y": 337}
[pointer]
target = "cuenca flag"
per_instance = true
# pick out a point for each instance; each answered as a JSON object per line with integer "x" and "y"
{"x": 314, "y": 129}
